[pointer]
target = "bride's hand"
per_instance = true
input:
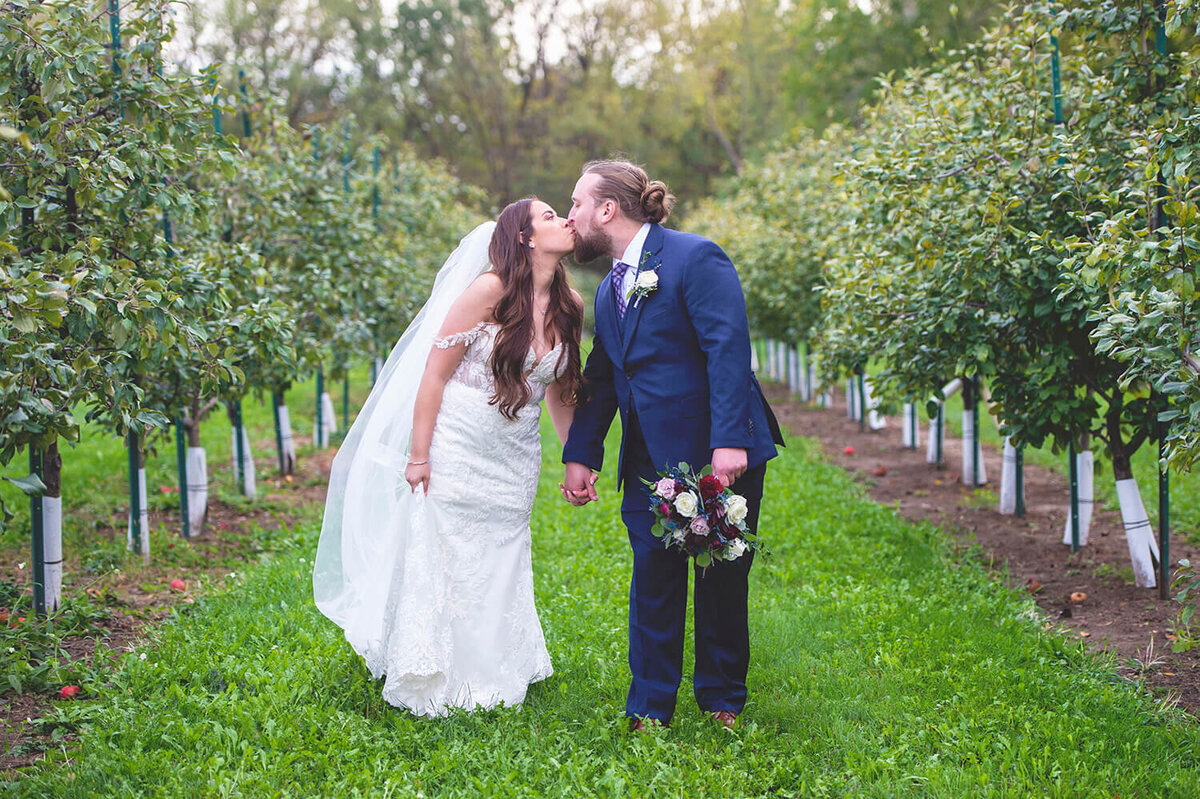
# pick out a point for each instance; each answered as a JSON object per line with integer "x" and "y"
{"x": 417, "y": 475}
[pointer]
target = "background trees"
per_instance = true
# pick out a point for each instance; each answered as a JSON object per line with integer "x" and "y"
{"x": 518, "y": 93}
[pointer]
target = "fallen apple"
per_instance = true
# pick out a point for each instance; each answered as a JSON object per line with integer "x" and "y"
{"x": 848, "y": 451}
{"x": 178, "y": 585}
{"x": 68, "y": 692}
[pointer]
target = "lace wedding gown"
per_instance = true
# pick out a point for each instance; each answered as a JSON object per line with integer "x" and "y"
{"x": 460, "y": 629}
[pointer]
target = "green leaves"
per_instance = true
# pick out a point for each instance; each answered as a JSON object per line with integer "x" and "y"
{"x": 31, "y": 485}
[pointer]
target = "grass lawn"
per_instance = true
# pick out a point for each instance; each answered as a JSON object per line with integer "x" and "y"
{"x": 885, "y": 663}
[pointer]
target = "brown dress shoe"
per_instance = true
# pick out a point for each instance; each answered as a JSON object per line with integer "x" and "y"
{"x": 644, "y": 725}
{"x": 726, "y": 718}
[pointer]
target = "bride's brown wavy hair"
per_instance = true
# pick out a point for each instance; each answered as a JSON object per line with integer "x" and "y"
{"x": 512, "y": 261}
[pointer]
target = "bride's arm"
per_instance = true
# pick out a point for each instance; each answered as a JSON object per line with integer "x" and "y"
{"x": 473, "y": 307}
{"x": 561, "y": 415}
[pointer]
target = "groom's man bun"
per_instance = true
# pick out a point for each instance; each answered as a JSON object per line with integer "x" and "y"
{"x": 639, "y": 198}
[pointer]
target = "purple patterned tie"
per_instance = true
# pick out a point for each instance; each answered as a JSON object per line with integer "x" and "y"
{"x": 618, "y": 280}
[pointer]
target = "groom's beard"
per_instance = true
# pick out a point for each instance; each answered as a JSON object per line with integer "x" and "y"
{"x": 589, "y": 248}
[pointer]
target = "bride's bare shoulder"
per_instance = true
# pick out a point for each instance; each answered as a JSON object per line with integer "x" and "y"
{"x": 476, "y": 303}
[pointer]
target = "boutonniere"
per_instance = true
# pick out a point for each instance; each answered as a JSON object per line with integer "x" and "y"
{"x": 646, "y": 282}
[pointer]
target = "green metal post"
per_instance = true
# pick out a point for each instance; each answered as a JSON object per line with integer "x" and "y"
{"x": 1164, "y": 476}
{"x": 135, "y": 494}
{"x": 37, "y": 525}
{"x": 1164, "y": 518}
{"x": 320, "y": 436}
{"x": 940, "y": 432}
{"x": 1074, "y": 470}
{"x": 114, "y": 29}
{"x": 245, "y": 103}
{"x": 976, "y": 449}
{"x": 1020, "y": 481}
{"x": 806, "y": 382}
{"x": 862, "y": 401}
{"x": 276, "y": 401}
{"x": 235, "y": 408}
{"x": 375, "y": 187}
{"x": 185, "y": 528}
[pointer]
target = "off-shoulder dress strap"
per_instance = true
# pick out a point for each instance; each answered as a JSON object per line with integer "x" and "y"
{"x": 467, "y": 337}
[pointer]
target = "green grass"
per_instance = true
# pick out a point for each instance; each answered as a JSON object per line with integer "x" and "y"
{"x": 885, "y": 664}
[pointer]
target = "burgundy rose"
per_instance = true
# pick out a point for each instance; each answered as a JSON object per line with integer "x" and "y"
{"x": 710, "y": 487}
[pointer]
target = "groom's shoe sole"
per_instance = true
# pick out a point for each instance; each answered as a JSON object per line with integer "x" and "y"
{"x": 645, "y": 725}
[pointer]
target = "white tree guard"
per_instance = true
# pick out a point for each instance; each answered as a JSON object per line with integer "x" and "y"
{"x": 285, "y": 434}
{"x": 793, "y": 370}
{"x": 769, "y": 366}
{"x": 825, "y": 398}
{"x": 911, "y": 426}
{"x": 810, "y": 379}
{"x": 853, "y": 400}
{"x": 951, "y": 388}
{"x": 1008, "y": 479}
{"x": 1143, "y": 549}
{"x": 378, "y": 364}
{"x": 1085, "y": 468}
{"x": 932, "y": 444}
{"x": 780, "y": 361}
{"x": 330, "y": 415}
{"x": 969, "y": 438}
{"x": 251, "y": 489}
{"x": 144, "y": 517}
{"x": 753, "y": 359}
{"x": 874, "y": 420}
{"x": 52, "y": 550}
{"x": 197, "y": 488}
{"x": 322, "y": 437}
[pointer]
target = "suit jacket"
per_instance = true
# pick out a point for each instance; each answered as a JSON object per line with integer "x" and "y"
{"x": 680, "y": 360}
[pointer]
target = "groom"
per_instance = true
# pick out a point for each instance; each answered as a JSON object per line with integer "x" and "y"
{"x": 672, "y": 353}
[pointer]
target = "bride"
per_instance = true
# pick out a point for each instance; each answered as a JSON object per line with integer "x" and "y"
{"x": 424, "y": 557}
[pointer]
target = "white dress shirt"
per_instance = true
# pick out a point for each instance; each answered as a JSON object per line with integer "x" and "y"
{"x": 633, "y": 257}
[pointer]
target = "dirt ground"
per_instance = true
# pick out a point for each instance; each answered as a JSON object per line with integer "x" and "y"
{"x": 1113, "y": 613}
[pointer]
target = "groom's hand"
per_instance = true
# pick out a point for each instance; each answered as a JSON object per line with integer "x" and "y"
{"x": 579, "y": 484}
{"x": 728, "y": 464}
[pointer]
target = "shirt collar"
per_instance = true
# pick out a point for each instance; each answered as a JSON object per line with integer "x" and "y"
{"x": 633, "y": 253}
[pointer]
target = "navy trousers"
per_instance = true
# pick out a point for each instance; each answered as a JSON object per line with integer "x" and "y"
{"x": 658, "y": 603}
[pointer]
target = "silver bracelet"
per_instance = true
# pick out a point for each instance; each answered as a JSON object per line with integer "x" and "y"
{"x": 417, "y": 463}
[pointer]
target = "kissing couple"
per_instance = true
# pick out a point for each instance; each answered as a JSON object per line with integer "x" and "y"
{"x": 424, "y": 556}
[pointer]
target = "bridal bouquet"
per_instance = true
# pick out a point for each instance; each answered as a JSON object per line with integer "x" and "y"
{"x": 699, "y": 516}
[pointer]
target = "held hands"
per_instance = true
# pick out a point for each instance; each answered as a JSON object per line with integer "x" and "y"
{"x": 417, "y": 474}
{"x": 728, "y": 464}
{"x": 579, "y": 484}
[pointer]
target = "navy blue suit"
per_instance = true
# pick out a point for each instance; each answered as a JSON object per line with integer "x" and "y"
{"x": 677, "y": 367}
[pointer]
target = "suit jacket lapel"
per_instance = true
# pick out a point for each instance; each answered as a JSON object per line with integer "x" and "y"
{"x": 633, "y": 312}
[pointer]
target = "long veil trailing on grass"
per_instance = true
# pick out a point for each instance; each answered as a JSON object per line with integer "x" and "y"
{"x": 369, "y": 508}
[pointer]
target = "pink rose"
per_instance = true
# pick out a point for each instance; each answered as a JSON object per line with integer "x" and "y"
{"x": 665, "y": 488}
{"x": 699, "y": 525}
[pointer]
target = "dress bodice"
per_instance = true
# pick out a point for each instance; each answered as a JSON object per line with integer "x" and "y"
{"x": 475, "y": 369}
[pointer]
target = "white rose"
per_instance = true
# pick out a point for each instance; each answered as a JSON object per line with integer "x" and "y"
{"x": 735, "y": 549}
{"x": 686, "y": 503}
{"x": 647, "y": 281}
{"x": 735, "y": 509}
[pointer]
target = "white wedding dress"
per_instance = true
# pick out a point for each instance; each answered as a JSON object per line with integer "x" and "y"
{"x": 460, "y": 629}
{"x": 436, "y": 592}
